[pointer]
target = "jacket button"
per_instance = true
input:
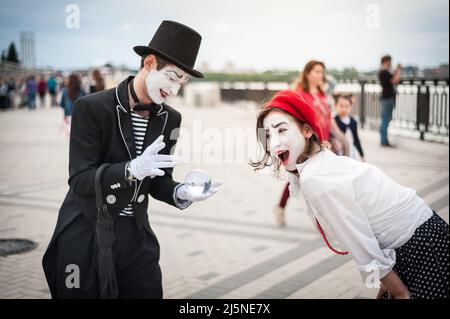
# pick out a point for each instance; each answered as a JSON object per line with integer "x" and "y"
{"x": 111, "y": 199}
{"x": 141, "y": 198}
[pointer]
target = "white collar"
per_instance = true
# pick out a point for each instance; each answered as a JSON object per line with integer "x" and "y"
{"x": 294, "y": 179}
{"x": 345, "y": 120}
{"x": 301, "y": 166}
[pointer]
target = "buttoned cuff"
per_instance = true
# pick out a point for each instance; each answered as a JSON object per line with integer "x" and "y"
{"x": 375, "y": 270}
{"x": 180, "y": 203}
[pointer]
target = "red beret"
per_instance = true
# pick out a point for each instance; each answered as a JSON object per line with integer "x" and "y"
{"x": 293, "y": 103}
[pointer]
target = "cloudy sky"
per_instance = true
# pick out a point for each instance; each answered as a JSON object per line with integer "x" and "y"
{"x": 252, "y": 34}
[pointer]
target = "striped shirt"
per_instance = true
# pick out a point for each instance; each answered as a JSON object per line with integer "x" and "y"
{"x": 139, "y": 128}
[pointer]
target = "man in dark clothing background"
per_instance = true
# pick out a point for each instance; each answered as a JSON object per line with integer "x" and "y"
{"x": 387, "y": 82}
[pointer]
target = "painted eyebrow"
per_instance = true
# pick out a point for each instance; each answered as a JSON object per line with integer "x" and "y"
{"x": 178, "y": 76}
{"x": 276, "y": 125}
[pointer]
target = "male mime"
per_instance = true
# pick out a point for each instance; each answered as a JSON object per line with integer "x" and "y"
{"x": 134, "y": 131}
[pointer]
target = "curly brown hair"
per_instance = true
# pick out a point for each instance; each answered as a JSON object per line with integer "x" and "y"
{"x": 302, "y": 82}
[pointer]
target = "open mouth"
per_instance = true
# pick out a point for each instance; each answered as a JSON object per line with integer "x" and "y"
{"x": 163, "y": 94}
{"x": 283, "y": 156}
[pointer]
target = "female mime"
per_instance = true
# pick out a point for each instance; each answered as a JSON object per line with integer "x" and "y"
{"x": 389, "y": 231}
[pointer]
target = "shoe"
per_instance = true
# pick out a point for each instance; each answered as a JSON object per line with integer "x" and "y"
{"x": 387, "y": 145}
{"x": 279, "y": 216}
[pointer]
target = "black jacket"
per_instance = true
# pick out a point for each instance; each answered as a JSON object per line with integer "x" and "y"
{"x": 101, "y": 132}
{"x": 353, "y": 126}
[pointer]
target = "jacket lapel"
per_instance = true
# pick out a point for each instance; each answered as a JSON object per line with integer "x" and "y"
{"x": 155, "y": 127}
{"x": 127, "y": 131}
{"x": 156, "y": 123}
{"x": 124, "y": 117}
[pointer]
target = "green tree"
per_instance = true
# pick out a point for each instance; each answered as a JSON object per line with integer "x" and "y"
{"x": 12, "y": 53}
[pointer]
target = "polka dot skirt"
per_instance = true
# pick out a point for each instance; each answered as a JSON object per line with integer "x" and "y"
{"x": 423, "y": 262}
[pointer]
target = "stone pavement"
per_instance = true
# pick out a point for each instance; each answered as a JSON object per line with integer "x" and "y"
{"x": 226, "y": 247}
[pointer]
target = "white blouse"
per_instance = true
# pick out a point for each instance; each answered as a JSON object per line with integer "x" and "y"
{"x": 358, "y": 205}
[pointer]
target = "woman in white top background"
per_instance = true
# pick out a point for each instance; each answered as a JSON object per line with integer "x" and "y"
{"x": 390, "y": 232}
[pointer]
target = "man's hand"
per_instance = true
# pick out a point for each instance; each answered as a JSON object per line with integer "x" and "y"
{"x": 184, "y": 194}
{"x": 149, "y": 163}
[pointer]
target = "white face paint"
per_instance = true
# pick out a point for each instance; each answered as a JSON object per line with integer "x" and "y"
{"x": 285, "y": 139}
{"x": 164, "y": 83}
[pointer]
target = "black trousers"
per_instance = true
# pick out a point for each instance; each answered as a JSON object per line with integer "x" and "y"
{"x": 136, "y": 260}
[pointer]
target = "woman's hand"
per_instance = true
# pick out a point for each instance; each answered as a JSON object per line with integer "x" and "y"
{"x": 394, "y": 286}
{"x": 382, "y": 291}
{"x": 405, "y": 295}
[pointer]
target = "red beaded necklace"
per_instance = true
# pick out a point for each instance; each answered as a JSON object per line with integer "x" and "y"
{"x": 327, "y": 242}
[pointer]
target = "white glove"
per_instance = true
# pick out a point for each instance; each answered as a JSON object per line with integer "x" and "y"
{"x": 184, "y": 194}
{"x": 149, "y": 163}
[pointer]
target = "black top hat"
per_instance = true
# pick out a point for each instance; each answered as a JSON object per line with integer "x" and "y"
{"x": 175, "y": 43}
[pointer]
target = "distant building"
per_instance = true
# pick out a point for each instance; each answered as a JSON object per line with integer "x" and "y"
{"x": 229, "y": 67}
{"x": 204, "y": 67}
{"x": 202, "y": 94}
{"x": 28, "y": 49}
{"x": 410, "y": 71}
{"x": 440, "y": 71}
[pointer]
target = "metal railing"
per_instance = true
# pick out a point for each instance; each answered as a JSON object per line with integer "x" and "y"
{"x": 422, "y": 105}
{"x": 17, "y": 71}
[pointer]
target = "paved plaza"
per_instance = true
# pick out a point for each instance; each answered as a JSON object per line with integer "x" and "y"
{"x": 226, "y": 247}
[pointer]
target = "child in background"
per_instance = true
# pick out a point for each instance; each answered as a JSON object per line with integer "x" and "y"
{"x": 348, "y": 125}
